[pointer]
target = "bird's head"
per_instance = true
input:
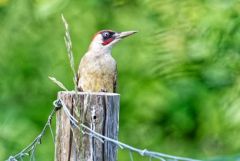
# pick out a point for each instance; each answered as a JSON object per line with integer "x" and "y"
{"x": 105, "y": 39}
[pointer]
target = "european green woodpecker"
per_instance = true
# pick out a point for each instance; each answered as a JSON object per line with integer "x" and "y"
{"x": 97, "y": 69}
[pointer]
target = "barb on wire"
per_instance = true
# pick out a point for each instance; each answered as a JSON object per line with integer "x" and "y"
{"x": 30, "y": 149}
{"x": 144, "y": 152}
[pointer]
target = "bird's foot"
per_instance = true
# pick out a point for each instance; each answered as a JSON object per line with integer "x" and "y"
{"x": 103, "y": 90}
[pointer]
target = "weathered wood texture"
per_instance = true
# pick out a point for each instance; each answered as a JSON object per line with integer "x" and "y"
{"x": 100, "y": 112}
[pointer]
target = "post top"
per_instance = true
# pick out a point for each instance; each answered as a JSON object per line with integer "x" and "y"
{"x": 89, "y": 93}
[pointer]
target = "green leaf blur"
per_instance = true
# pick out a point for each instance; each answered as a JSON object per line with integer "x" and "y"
{"x": 178, "y": 77}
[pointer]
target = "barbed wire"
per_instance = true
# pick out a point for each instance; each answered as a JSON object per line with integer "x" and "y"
{"x": 31, "y": 148}
{"x": 143, "y": 152}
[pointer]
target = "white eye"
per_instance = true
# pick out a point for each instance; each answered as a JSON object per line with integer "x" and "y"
{"x": 106, "y": 34}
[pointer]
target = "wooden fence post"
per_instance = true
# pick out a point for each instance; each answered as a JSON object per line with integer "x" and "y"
{"x": 100, "y": 112}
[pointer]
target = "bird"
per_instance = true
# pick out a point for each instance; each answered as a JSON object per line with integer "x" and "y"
{"x": 97, "y": 70}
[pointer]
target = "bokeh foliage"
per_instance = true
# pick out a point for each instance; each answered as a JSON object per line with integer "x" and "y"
{"x": 178, "y": 77}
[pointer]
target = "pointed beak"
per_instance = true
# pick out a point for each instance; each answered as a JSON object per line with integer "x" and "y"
{"x": 121, "y": 35}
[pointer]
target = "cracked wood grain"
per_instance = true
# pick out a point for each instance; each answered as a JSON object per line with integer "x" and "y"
{"x": 100, "y": 112}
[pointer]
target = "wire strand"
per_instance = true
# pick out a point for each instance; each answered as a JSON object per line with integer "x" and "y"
{"x": 144, "y": 152}
{"x": 31, "y": 148}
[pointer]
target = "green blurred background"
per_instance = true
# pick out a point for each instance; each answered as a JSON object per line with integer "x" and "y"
{"x": 178, "y": 77}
